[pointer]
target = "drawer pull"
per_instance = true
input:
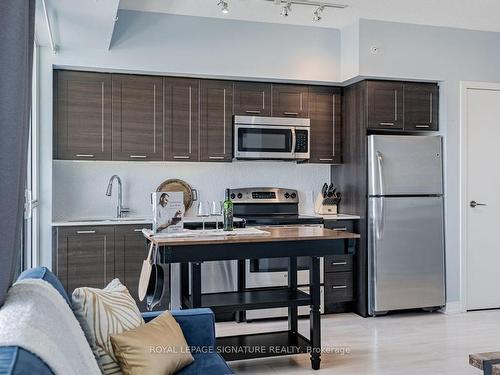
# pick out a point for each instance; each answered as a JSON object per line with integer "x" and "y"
{"x": 181, "y": 157}
{"x": 339, "y": 286}
{"x": 253, "y": 112}
{"x": 339, "y": 263}
{"x": 138, "y": 156}
{"x": 216, "y": 157}
{"x": 386, "y": 124}
{"x": 422, "y": 126}
{"x": 85, "y": 232}
{"x": 137, "y": 230}
{"x": 291, "y": 113}
{"x": 344, "y": 229}
{"x": 85, "y": 155}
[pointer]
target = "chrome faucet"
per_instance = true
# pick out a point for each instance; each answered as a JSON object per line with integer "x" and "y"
{"x": 120, "y": 210}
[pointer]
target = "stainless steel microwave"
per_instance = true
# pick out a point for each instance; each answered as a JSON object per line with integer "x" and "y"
{"x": 258, "y": 137}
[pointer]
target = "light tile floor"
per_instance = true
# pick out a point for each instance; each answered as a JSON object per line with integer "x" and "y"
{"x": 410, "y": 343}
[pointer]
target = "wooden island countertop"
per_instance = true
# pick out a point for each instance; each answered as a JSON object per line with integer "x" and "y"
{"x": 275, "y": 235}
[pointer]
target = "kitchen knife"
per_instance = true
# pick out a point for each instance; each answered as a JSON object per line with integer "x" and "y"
{"x": 324, "y": 189}
{"x": 330, "y": 190}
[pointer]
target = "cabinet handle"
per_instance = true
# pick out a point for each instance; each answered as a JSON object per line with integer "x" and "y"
{"x": 422, "y": 126}
{"x": 253, "y": 112}
{"x": 138, "y": 156}
{"x": 339, "y": 286}
{"x": 216, "y": 157}
{"x": 326, "y": 159}
{"x": 85, "y": 155}
{"x": 85, "y": 232}
{"x": 181, "y": 157}
{"x": 386, "y": 124}
{"x": 339, "y": 263}
{"x": 137, "y": 230}
{"x": 430, "y": 109}
{"x": 340, "y": 229}
{"x": 291, "y": 113}
{"x": 333, "y": 123}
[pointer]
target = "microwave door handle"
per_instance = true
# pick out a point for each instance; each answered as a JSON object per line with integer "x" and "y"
{"x": 294, "y": 141}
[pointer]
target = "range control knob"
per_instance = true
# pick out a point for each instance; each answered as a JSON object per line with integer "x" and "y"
{"x": 240, "y": 195}
{"x": 233, "y": 196}
{"x": 287, "y": 195}
{"x": 293, "y": 195}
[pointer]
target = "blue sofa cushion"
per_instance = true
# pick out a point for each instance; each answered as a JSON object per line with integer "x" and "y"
{"x": 17, "y": 361}
{"x": 45, "y": 274}
{"x": 207, "y": 363}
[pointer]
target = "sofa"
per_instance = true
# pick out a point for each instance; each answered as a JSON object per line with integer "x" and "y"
{"x": 198, "y": 326}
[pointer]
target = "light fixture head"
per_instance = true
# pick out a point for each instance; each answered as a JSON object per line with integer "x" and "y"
{"x": 286, "y": 9}
{"x": 224, "y": 7}
{"x": 318, "y": 14}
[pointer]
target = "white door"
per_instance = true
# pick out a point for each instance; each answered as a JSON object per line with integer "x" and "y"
{"x": 483, "y": 201}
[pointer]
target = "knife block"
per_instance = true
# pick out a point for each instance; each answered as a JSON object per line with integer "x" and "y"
{"x": 325, "y": 206}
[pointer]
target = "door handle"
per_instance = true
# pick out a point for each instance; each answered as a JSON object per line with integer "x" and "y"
{"x": 473, "y": 204}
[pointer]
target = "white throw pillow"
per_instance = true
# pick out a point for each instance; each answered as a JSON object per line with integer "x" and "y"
{"x": 102, "y": 313}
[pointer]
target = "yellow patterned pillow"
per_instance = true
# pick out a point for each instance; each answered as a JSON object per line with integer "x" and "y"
{"x": 102, "y": 313}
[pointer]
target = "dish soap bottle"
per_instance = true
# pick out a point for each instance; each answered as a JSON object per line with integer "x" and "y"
{"x": 228, "y": 212}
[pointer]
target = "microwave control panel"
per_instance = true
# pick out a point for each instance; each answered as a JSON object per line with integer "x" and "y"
{"x": 302, "y": 141}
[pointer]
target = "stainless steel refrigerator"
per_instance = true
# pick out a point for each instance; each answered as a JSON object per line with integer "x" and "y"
{"x": 405, "y": 223}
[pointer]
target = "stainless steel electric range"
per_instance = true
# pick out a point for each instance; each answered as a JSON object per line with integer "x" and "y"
{"x": 273, "y": 207}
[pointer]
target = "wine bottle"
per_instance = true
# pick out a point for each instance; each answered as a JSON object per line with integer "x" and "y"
{"x": 228, "y": 212}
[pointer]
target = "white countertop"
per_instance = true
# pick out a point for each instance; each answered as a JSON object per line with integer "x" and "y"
{"x": 340, "y": 217}
{"x": 127, "y": 221}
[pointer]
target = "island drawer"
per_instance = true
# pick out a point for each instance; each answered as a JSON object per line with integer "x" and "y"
{"x": 338, "y": 263}
{"x": 339, "y": 287}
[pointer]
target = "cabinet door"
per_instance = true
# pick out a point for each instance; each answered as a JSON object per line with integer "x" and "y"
{"x": 137, "y": 117}
{"x": 131, "y": 250}
{"x": 181, "y": 119}
{"x": 82, "y": 115}
{"x": 326, "y": 125}
{"x": 216, "y": 120}
{"x": 290, "y": 100}
{"x": 385, "y": 105}
{"x": 421, "y": 106}
{"x": 85, "y": 256}
{"x": 252, "y": 99}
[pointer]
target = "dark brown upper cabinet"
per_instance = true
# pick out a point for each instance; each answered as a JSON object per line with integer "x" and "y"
{"x": 385, "y": 105}
{"x": 326, "y": 125}
{"x": 85, "y": 256}
{"x": 290, "y": 100}
{"x": 252, "y": 99}
{"x": 137, "y": 117}
{"x": 181, "y": 119}
{"x": 82, "y": 115}
{"x": 421, "y": 106}
{"x": 216, "y": 120}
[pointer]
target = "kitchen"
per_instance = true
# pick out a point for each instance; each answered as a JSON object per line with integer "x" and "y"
{"x": 226, "y": 117}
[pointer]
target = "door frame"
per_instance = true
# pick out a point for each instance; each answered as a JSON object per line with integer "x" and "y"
{"x": 464, "y": 87}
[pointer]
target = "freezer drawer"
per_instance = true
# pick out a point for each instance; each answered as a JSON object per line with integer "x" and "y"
{"x": 406, "y": 253}
{"x": 404, "y": 165}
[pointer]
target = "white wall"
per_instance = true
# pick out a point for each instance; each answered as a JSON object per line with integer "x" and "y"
{"x": 81, "y": 186}
{"x": 166, "y": 44}
{"x": 447, "y": 55}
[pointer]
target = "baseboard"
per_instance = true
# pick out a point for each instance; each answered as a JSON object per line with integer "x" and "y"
{"x": 452, "y": 308}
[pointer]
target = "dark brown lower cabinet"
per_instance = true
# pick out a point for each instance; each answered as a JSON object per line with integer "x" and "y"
{"x": 84, "y": 256}
{"x": 93, "y": 256}
{"x": 338, "y": 277}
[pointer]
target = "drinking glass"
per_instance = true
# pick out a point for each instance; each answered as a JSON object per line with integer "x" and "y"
{"x": 203, "y": 212}
{"x": 216, "y": 211}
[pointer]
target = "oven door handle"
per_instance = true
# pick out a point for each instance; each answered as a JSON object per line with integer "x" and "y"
{"x": 294, "y": 140}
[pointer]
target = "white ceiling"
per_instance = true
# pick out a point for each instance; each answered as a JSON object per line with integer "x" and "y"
{"x": 467, "y": 14}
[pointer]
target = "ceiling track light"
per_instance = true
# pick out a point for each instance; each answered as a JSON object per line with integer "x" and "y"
{"x": 224, "y": 7}
{"x": 317, "y": 15}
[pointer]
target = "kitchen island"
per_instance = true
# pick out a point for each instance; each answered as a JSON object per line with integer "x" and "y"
{"x": 312, "y": 242}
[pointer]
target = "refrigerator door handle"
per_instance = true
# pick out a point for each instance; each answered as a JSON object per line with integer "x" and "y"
{"x": 380, "y": 216}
